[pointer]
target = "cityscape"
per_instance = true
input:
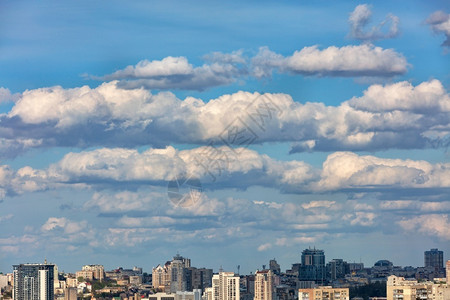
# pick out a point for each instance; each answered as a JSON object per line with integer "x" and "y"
{"x": 224, "y": 150}
{"x": 177, "y": 279}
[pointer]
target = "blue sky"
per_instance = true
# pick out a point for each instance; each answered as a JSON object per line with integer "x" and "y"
{"x": 103, "y": 104}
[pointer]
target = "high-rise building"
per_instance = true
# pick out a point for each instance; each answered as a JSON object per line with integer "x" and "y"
{"x": 263, "y": 285}
{"x": 225, "y": 286}
{"x": 313, "y": 266}
{"x": 434, "y": 258}
{"x": 198, "y": 278}
{"x": 174, "y": 276}
{"x": 337, "y": 268}
{"x": 274, "y": 267}
{"x": 33, "y": 281}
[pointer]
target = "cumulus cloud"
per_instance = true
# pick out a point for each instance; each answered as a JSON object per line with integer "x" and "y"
{"x": 397, "y": 115}
{"x": 432, "y": 224}
{"x": 130, "y": 169}
{"x": 6, "y": 96}
{"x": 68, "y": 226}
{"x": 177, "y": 73}
{"x": 345, "y": 170}
{"x": 403, "y": 96}
{"x": 227, "y": 68}
{"x": 163, "y": 165}
{"x": 347, "y": 61}
{"x": 360, "y": 18}
{"x": 24, "y": 180}
{"x": 439, "y": 22}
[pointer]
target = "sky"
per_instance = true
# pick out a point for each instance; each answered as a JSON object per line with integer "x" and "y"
{"x": 231, "y": 132}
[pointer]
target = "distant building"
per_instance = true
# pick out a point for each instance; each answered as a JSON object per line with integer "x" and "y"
{"x": 399, "y": 288}
{"x": 447, "y": 268}
{"x": 336, "y": 269}
{"x": 274, "y": 267}
{"x": 324, "y": 293}
{"x": 33, "y": 281}
{"x": 434, "y": 261}
{"x": 313, "y": 266}
{"x": 98, "y": 271}
{"x": 70, "y": 293}
{"x": 225, "y": 286}
{"x": 434, "y": 258}
{"x": 264, "y": 285}
{"x": 177, "y": 275}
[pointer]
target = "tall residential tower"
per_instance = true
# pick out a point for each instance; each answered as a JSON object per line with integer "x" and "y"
{"x": 33, "y": 281}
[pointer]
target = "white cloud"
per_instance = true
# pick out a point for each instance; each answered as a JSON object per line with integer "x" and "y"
{"x": 360, "y": 18}
{"x": 403, "y": 96}
{"x": 347, "y": 61}
{"x": 178, "y": 73}
{"x": 361, "y": 218}
{"x": 6, "y": 96}
{"x": 119, "y": 168}
{"x": 156, "y": 165}
{"x": 437, "y": 225}
{"x": 440, "y": 23}
{"x": 348, "y": 170}
{"x": 69, "y": 227}
{"x": 264, "y": 247}
{"x": 392, "y": 116}
{"x": 416, "y": 206}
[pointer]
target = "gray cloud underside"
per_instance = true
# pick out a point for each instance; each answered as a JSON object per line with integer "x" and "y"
{"x": 397, "y": 115}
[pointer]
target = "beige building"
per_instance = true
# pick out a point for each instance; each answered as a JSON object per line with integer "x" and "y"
{"x": 263, "y": 285}
{"x": 324, "y": 293}
{"x": 225, "y": 286}
{"x": 86, "y": 275}
{"x": 399, "y": 288}
{"x": 447, "y": 268}
{"x": 70, "y": 293}
{"x": 98, "y": 271}
{"x": 162, "y": 276}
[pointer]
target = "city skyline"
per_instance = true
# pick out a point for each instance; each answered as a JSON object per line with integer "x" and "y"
{"x": 237, "y": 267}
{"x": 231, "y": 132}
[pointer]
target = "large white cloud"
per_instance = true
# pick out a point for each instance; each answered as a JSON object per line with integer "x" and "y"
{"x": 120, "y": 168}
{"x": 395, "y": 115}
{"x": 346, "y": 170}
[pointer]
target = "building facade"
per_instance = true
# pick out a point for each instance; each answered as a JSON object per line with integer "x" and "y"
{"x": 313, "y": 266}
{"x": 324, "y": 293}
{"x": 434, "y": 258}
{"x": 399, "y": 288}
{"x": 264, "y": 285}
{"x": 225, "y": 286}
{"x": 33, "y": 281}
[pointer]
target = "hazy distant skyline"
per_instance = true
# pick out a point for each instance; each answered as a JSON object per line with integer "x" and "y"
{"x": 303, "y": 124}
